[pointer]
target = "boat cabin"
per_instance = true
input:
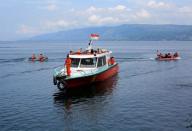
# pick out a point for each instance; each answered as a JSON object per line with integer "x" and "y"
{"x": 87, "y": 60}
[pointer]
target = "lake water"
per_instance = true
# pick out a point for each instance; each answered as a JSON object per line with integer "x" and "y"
{"x": 146, "y": 95}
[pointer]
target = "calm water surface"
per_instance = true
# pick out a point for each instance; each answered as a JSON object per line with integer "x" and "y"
{"x": 146, "y": 95}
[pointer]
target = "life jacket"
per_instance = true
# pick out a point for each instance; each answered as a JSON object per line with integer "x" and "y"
{"x": 112, "y": 61}
{"x": 33, "y": 57}
{"x": 68, "y": 62}
{"x": 41, "y": 57}
{"x": 176, "y": 55}
{"x": 68, "y": 66}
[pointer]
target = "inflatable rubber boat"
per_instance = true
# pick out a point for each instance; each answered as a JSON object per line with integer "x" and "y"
{"x": 37, "y": 59}
{"x": 167, "y": 59}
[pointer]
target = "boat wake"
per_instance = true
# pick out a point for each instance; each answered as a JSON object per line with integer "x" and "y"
{"x": 150, "y": 72}
{"x": 184, "y": 85}
{"x": 27, "y": 71}
{"x": 12, "y": 60}
{"x": 119, "y": 59}
{"x": 188, "y": 121}
{"x": 137, "y": 59}
{"x": 130, "y": 59}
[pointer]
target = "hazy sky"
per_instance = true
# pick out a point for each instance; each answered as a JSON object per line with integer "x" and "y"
{"x": 25, "y": 18}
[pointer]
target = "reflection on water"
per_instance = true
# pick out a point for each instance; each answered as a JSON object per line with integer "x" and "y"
{"x": 73, "y": 96}
{"x": 189, "y": 121}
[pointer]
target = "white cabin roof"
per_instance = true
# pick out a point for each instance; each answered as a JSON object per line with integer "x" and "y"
{"x": 88, "y": 54}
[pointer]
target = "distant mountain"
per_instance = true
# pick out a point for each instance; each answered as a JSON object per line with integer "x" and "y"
{"x": 132, "y": 32}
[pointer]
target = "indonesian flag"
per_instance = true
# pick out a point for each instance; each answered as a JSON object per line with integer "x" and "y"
{"x": 94, "y": 37}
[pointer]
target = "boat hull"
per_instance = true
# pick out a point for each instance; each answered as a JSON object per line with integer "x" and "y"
{"x": 167, "y": 59}
{"x": 42, "y": 60}
{"x": 87, "y": 80}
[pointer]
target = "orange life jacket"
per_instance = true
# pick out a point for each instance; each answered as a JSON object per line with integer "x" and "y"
{"x": 112, "y": 61}
{"x": 68, "y": 66}
{"x": 33, "y": 57}
{"x": 68, "y": 62}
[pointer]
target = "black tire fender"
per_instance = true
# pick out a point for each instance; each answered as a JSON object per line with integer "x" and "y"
{"x": 54, "y": 81}
{"x": 61, "y": 85}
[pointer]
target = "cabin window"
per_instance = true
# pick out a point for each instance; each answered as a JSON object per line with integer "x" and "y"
{"x": 75, "y": 62}
{"x": 101, "y": 61}
{"x": 88, "y": 62}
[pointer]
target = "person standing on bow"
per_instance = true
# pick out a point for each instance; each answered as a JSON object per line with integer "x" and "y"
{"x": 68, "y": 65}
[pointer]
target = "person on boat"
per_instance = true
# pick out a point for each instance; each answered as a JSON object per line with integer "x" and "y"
{"x": 166, "y": 55}
{"x": 70, "y": 52}
{"x": 79, "y": 51}
{"x": 92, "y": 51}
{"x": 33, "y": 57}
{"x": 169, "y": 55}
{"x": 98, "y": 50}
{"x": 68, "y": 65}
{"x": 41, "y": 57}
{"x": 159, "y": 55}
{"x": 176, "y": 54}
{"x": 111, "y": 61}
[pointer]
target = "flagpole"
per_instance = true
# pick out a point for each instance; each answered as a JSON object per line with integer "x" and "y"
{"x": 92, "y": 37}
{"x": 90, "y": 42}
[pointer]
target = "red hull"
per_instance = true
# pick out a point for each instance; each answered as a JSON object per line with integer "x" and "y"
{"x": 167, "y": 59}
{"x": 78, "y": 82}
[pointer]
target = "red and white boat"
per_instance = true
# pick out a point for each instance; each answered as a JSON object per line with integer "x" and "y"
{"x": 167, "y": 57}
{"x": 87, "y": 67}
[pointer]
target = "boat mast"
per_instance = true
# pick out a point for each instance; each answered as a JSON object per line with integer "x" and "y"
{"x": 90, "y": 45}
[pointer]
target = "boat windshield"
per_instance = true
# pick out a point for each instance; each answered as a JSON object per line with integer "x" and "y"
{"x": 75, "y": 62}
{"x": 101, "y": 61}
{"x": 88, "y": 62}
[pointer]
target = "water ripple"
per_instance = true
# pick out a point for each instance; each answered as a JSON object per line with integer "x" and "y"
{"x": 12, "y": 60}
{"x": 27, "y": 71}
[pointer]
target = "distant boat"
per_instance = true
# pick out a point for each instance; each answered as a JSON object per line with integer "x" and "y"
{"x": 42, "y": 59}
{"x": 167, "y": 57}
{"x": 88, "y": 66}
